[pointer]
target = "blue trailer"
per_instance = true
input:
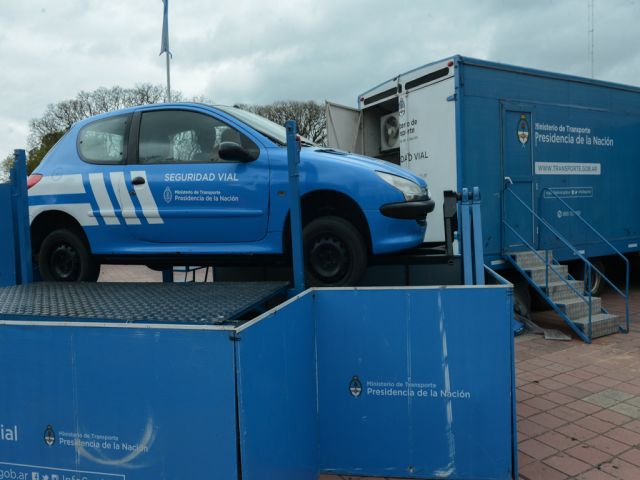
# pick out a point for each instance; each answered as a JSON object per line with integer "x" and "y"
{"x": 554, "y": 155}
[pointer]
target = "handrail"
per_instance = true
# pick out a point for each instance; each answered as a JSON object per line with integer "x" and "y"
{"x": 617, "y": 252}
{"x": 567, "y": 243}
{"x": 566, "y": 281}
{"x": 577, "y": 253}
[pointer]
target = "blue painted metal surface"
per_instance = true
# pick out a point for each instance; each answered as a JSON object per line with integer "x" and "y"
{"x": 411, "y": 383}
{"x": 277, "y": 397}
{"x": 15, "y": 237}
{"x": 293, "y": 165}
{"x": 8, "y": 272}
{"x": 134, "y": 403}
{"x": 299, "y": 391}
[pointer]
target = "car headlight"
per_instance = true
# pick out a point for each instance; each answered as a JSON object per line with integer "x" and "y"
{"x": 411, "y": 190}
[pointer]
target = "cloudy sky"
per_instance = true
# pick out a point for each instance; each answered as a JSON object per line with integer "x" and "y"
{"x": 260, "y": 51}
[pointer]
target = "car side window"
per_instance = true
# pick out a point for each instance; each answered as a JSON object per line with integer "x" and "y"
{"x": 178, "y": 136}
{"x": 104, "y": 141}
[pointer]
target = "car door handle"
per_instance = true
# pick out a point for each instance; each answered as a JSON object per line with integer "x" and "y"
{"x": 138, "y": 181}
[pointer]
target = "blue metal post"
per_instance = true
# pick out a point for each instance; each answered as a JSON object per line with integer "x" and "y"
{"x": 465, "y": 227}
{"x": 478, "y": 252}
{"x": 293, "y": 154}
{"x": 21, "y": 216}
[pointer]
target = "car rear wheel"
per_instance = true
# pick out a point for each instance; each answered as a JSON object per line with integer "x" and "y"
{"x": 65, "y": 257}
{"x": 335, "y": 252}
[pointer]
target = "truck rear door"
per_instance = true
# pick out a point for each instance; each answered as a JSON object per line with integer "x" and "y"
{"x": 344, "y": 128}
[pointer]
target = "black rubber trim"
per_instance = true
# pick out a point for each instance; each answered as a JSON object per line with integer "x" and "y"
{"x": 429, "y": 77}
{"x": 379, "y": 96}
{"x": 408, "y": 210}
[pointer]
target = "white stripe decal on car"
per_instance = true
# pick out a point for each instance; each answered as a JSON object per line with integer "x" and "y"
{"x": 124, "y": 198}
{"x": 82, "y": 212}
{"x": 145, "y": 197}
{"x": 102, "y": 198}
{"x": 58, "y": 185}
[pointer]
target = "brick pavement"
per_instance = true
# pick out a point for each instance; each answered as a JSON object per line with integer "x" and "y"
{"x": 578, "y": 405}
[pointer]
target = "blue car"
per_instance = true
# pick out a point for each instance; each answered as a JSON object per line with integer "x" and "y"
{"x": 191, "y": 184}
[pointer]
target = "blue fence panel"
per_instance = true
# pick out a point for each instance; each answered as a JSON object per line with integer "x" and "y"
{"x": 277, "y": 394}
{"x": 129, "y": 403}
{"x": 7, "y": 238}
{"x": 416, "y": 383}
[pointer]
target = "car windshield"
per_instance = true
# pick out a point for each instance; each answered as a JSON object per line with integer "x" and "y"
{"x": 269, "y": 129}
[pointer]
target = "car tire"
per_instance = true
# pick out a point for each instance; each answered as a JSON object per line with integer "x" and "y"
{"x": 65, "y": 257}
{"x": 335, "y": 253}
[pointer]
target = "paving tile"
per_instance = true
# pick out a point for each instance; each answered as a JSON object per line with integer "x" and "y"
{"x": 536, "y": 449}
{"x": 575, "y": 391}
{"x": 569, "y": 414}
{"x": 521, "y": 395}
{"x": 540, "y": 403}
{"x": 584, "y": 407}
{"x": 540, "y": 471}
{"x": 595, "y": 424}
{"x": 576, "y": 432}
{"x": 612, "y": 417}
{"x": 531, "y": 429}
{"x": 607, "y": 444}
{"x": 558, "y": 441}
{"x": 635, "y": 401}
{"x": 534, "y": 389}
{"x": 592, "y": 387}
{"x": 629, "y": 388}
{"x": 625, "y": 436}
{"x": 589, "y": 455}
{"x": 525, "y": 410}
{"x": 601, "y": 400}
{"x": 567, "y": 379}
{"x": 524, "y": 459}
{"x": 632, "y": 456}
{"x": 595, "y": 474}
{"x": 620, "y": 396}
{"x": 633, "y": 425}
{"x": 567, "y": 464}
{"x": 547, "y": 420}
{"x": 626, "y": 409}
{"x": 606, "y": 381}
{"x": 621, "y": 470}
{"x": 558, "y": 397}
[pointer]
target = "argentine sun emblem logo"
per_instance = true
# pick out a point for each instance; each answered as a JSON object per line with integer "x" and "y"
{"x": 167, "y": 195}
{"x": 523, "y": 130}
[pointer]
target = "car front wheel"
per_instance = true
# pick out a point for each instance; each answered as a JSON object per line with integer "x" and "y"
{"x": 335, "y": 253}
{"x": 65, "y": 257}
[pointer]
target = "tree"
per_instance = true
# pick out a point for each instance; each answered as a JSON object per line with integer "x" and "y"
{"x": 309, "y": 116}
{"x": 59, "y": 117}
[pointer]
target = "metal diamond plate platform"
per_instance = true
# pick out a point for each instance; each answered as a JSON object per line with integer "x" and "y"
{"x": 184, "y": 303}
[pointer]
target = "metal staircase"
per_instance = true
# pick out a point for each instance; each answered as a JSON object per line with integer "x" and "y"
{"x": 570, "y": 298}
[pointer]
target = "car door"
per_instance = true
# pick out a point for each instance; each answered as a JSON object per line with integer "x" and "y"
{"x": 184, "y": 192}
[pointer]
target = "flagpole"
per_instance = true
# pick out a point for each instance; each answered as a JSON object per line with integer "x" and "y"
{"x": 168, "y": 77}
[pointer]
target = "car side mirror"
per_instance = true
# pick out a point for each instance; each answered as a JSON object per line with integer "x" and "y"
{"x": 235, "y": 152}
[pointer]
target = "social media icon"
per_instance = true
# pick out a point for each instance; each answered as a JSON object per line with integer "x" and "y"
{"x": 54, "y": 476}
{"x": 45, "y": 477}
{"x": 35, "y": 476}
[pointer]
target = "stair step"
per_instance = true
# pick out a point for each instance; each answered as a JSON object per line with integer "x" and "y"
{"x": 538, "y": 274}
{"x": 559, "y": 291}
{"x": 601, "y": 324}
{"x": 530, "y": 259}
{"x": 576, "y": 307}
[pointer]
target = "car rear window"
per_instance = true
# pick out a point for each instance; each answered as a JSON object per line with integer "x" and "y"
{"x": 105, "y": 140}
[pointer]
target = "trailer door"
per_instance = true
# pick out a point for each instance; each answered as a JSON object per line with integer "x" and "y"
{"x": 517, "y": 195}
{"x": 344, "y": 128}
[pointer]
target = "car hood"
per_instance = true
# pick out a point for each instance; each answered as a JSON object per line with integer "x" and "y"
{"x": 360, "y": 160}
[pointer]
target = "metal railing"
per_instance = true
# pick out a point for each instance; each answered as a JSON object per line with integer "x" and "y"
{"x": 589, "y": 267}
{"x": 617, "y": 252}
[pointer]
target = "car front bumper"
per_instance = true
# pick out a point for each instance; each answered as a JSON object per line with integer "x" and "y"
{"x": 416, "y": 210}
